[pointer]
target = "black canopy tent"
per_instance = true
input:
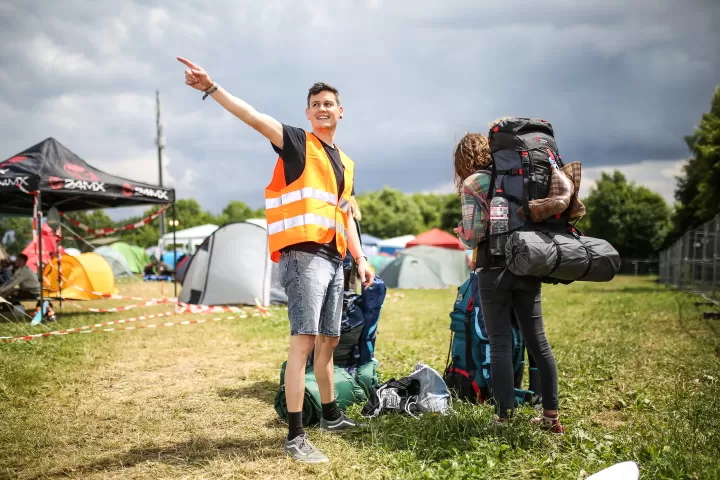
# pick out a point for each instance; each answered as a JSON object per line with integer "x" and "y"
{"x": 61, "y": 179}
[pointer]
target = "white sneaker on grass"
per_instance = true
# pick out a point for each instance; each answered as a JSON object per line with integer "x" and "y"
{"x": 300, "y": 448}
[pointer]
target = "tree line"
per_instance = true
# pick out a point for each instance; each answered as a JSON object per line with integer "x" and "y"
{"x": 634, "y": 219}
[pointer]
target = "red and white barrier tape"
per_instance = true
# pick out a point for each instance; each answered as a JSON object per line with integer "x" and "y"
{"x": 151, "y": 302}
{"x": 102, "y": 232}
{"x": 183, "y": 307}
{"x": 116, "y": 329}
{"x": 190, "y": 308}
{"x": 84, "y": 328}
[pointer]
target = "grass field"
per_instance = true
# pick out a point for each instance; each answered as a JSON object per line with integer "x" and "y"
{"x": 639, "y": 380}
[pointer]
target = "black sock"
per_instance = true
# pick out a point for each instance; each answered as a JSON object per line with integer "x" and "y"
{"x": 331, "y": 411}
{"x": 295, "y": 425}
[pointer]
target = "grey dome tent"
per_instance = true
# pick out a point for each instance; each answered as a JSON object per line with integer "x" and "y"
{"x": 118, "y": 264}
{"x": 233, "y": 267}
{"x": 426, "y": 267}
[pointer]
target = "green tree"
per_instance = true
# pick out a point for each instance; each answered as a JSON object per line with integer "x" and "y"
{"x": 237, "y": 211}
{"x": 390, "y": 213}
{"x": 632, "y": 218}
{"x": 431, "y": 208}
{"x": 22, "y": 226}
{"x": 698, "y": 190}
{"x": 452, "y": 213}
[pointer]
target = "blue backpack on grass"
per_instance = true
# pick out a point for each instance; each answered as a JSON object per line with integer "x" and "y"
{"x": 467, "y": 372}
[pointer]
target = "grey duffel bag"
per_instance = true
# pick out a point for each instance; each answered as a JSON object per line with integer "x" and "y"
{"x": 561, "y": 257}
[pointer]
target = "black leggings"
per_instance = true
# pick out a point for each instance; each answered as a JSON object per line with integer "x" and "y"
{"x": 521, "y": 294}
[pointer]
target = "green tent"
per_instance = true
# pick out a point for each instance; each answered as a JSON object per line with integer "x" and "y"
{"x": 425, "y": 266}
{"x": 135, "y": 257}
{"x": 379, "y": 261}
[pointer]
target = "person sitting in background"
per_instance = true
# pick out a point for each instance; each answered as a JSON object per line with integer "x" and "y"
{"x": 150, "y": 268}
{"x": 164, "y": 269}
{"x": 5, "y": 271}
{"x": 23, "y": 285}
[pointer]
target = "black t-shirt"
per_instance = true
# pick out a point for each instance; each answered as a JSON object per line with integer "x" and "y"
{"x": 293, "y": 155}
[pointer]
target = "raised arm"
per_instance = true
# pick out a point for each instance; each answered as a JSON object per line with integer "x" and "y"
{"x": 199, "y": 79}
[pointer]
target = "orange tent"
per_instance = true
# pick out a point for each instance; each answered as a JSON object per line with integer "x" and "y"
{"x": 436, "y": 238}
{"x": 86, "y": 273}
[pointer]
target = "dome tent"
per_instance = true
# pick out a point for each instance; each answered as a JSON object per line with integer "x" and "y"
{"x": 118, "y": 264}
{"x": 436, "y": 238}
{"x": 233, "y": 267}
{"x": 88, "y": 272}
{"x": 426, "y": 267}
{"x": 135, "y": 257}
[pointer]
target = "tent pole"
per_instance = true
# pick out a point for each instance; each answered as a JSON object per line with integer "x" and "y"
{"x": 59, "y": 262}
{"x": 40, "y": 242}
{"x": 174, "y": 227}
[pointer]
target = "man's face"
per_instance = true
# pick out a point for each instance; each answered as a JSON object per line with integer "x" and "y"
{"x": 19, "y": 262}
{"x": 323, "y": 111}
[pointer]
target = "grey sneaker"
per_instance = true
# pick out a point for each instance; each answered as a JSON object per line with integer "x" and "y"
{"x": 342, "y": 423}
{"x": 300, "y": 448}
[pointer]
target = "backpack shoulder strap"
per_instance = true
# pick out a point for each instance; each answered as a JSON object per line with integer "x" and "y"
{"x": 469, "y": 362}
{"x": 524, "y": 201}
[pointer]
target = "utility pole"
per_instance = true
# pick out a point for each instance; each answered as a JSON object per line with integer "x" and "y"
{"x": 160, "y": 146}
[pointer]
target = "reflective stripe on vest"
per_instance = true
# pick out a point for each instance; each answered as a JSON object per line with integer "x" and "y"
{"x": 305, "y": 219}
{"x": 297, "y": 195}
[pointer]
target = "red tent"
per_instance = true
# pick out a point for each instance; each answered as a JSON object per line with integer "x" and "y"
{"x": 437, "y": 238}
{"x": 49, "y": 246}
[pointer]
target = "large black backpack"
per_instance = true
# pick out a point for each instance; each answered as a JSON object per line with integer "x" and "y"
{"x": 525, "y": 156}
{"x": 524, "y": 153}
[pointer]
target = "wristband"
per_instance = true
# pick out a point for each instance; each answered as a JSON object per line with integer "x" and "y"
{"x": 213, "y": 88}
{"x": 359, "y": 257}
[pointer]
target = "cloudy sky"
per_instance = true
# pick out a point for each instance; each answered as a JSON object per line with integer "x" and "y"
{"x": 622, "y": 82}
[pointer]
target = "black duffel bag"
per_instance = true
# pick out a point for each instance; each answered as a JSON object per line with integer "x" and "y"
{"x": 561, "y": 256}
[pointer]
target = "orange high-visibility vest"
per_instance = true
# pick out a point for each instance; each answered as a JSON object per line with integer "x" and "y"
{"x": 310, "y": 209}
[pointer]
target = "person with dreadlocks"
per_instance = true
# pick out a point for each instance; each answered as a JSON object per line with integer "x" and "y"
{"x": 472, "y": 161}
{"x": 517, "y": 297}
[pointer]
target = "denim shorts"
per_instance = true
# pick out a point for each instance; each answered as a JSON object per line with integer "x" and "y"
{"x": 314, "y": 287}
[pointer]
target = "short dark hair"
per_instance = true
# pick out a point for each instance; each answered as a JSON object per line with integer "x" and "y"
{"x": 322, "y": 87}
{"x": 22, "y": 256}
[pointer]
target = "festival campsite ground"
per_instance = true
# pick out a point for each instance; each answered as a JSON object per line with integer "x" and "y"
{"x": 639, "y": 380}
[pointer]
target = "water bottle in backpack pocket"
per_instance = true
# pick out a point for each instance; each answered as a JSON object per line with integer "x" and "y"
{"x": 499, "y": 224}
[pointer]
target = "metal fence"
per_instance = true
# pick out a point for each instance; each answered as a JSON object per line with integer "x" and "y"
{"x": 693, "y": 262}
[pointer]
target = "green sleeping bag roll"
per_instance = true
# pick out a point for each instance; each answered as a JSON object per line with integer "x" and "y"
{"x": 367, "y": 376}
{"x": 347, "y": 392}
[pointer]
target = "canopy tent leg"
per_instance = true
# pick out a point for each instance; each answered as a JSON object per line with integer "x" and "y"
{"x": 174, "y": 249}
{"x": 38, "y": 219}
{"x": 59, "y": 264}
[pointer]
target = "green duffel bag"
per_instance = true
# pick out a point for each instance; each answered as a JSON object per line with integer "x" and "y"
{"x": 347, "y": 392}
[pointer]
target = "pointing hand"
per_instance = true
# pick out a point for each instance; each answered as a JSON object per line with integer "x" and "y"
{"x": 195, "y": 76}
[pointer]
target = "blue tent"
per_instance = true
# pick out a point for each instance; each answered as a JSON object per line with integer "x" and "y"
{"x": 369, "y": 240}
{"x": 169, "y": 258}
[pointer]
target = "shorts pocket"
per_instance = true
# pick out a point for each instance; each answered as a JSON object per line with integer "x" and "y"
{"x": 283, "y": 268}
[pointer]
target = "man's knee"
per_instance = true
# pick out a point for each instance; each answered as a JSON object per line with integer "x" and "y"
{"x": 326, "y": 343}
{"x": 301, "y": 344}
